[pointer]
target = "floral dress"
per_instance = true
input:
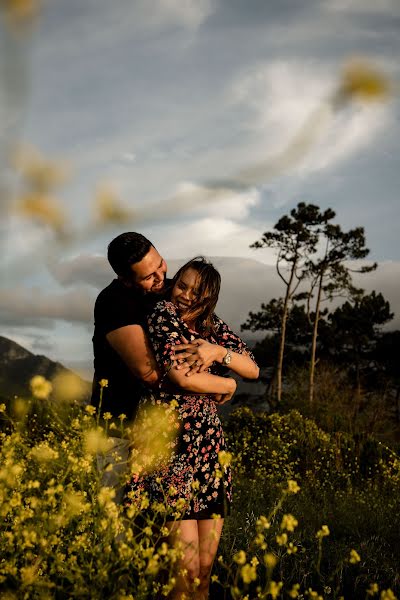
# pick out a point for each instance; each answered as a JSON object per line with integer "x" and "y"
{"x": 192, "y": 478}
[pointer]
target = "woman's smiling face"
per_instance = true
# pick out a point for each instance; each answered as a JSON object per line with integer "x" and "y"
{"x": 185, "y": 290}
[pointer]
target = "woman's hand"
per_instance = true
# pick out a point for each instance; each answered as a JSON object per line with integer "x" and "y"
{"x": 197, "y": 355}
{"x": 223, "y": 398}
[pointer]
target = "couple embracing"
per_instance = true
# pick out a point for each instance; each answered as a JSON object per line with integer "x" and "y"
{"x": 159, "y": 341}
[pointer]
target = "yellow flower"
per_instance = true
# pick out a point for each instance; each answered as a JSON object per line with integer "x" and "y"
{"x": 195, "y": 484}
{"x": 289, "y": 522}
{"x": 354, "y": 557}
{"x": 107, "y": 416}
{"x": 240, "y": 557}
{"x": 291, "y": 548}
{"x": 254, "y": 561}
{"x": 274, "y": 589}
{"x": 95, "y": 441}
{"x": 282, "y": 539}
{"x": 323, "y": 532}
{"x": 105, "y": 495}
{"x": 41, "y": 388}
{"x": 362, "y": 80}
{"x": 263, "y": 522}
{"x": 387, "y": 595}
{"x": 248, "y": 573}
{"x": 68, "y": 387}
{"x": 43, "y": 452}
{"x": 108, "y": 207}
{"x": 294, "y": 592}
{"x": 292, "y": 487}
{"x": 89, "y": 408}
{"x": 28, "y": 575}
{"x": 2, "y": 408}
{"x": 373, "y": 589}
{"x": 224, "y": 458}
{"x": 270, "y": 560}
{"x": 103, "y": 383}
{"x": 314, "y": 595}
{"x": 42, "y": 208}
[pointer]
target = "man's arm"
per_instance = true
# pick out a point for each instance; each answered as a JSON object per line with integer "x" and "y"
{"x": 134, "y": 348}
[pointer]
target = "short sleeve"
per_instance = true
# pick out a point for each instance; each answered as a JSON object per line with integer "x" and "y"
{"x": 115, "y": 308}
{"x": 227, "y": 338}
{"x": 165, "y": 330}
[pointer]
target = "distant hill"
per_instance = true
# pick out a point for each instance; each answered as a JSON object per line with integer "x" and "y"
{"x": 18, "y": 366}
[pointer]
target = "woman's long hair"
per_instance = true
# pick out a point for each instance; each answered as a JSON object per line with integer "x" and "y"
{"x": 209, "y": 283}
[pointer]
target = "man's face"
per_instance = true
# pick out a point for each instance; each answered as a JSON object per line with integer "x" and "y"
{"x": 149, "y": 273}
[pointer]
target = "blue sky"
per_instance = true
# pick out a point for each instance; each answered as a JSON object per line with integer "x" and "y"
{"x": 156, "y": 98}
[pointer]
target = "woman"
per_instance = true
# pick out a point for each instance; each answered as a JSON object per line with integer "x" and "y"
{"x": 198, "y": 476}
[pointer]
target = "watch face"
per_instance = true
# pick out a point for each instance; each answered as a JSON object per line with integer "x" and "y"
{"x": 227, "y": 358}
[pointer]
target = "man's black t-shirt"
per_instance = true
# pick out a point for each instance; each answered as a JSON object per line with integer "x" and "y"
{"x": 116, "y": 306}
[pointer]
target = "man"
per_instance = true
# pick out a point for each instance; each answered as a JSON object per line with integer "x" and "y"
{"x": 122, "y": 353}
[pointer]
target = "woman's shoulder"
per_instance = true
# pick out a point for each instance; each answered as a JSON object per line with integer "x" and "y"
{"x": 164, "y": 308}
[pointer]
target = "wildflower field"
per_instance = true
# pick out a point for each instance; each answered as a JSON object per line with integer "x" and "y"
{"x": 315, "y": 514}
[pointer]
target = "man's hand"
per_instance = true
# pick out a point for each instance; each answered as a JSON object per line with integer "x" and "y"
{"x": 197, "y": 355}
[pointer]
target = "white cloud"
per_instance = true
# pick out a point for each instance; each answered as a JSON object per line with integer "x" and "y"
{"x": 283, "y": 95}
{"x": 23, "y": 305}
{"x": 211, "y": 236}
{"x": 362, "y": 6}
{"x": 187, "y": 13}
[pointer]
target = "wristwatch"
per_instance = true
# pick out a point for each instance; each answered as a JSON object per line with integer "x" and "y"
{"x": 227, "y": 358}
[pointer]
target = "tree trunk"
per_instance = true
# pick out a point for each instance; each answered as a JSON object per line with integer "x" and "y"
{"x": 314, "y": 342}
{"x": 279, "y": 367}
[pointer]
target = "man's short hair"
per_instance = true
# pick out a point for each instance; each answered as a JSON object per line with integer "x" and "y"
{"x": 126, "y": 250}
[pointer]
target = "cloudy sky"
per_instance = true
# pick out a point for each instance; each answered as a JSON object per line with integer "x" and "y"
{"x": 155, "y": 99}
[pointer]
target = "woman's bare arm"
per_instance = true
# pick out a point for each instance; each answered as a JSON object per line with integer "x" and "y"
{"x": 205, "y": 353}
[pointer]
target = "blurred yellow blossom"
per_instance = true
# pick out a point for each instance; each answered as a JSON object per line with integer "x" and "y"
{"x": 294, "y": 592}
{"x": 95, "y": 441}
{"x": 28, "y": 575}
{"x": 68, "y": 387}
{"x": 108, "y": 207}
{"x": 2, "y": 408}
{"x": 248, "y": 573}
{"x": 105, "y": 495}
{"x": 42, "y": 208}
{"x": 270, "y": 560}
{"x": 362, "y": 80}
{"x": 263, "y": 522}
{"x": 41, "y": 388}
{"x": 240, "y": 557}
{"x": 387, "y": 595}
{"x": 373, "y": 589}
{"x": 224, "y": 458}
{"x": 293, "y": 486}
{"x": 289, "y": 522}
{"x": 354, "y": 557}
{"x": 89, "y": 408}
{"x": 313, "y": 595}
{"x": 323, "y": 532}
{"x": 153, "y": 435}
{"x": 282, "y": 539}
{"x": 20, "y": 12}
{"x": 275, "y": 589}
{"x": 103, "y": 383}
{"x": 43, "y": 452}
{"x": 75, "y": 503}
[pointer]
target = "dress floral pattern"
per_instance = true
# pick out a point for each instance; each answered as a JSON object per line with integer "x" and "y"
{"x": 191, "y": 481}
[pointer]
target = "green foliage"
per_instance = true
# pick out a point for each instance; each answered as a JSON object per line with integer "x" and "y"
{"x": 62, "y": 535}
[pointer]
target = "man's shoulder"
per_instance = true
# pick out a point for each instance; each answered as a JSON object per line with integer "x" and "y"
{"x": 117, "y": 291}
